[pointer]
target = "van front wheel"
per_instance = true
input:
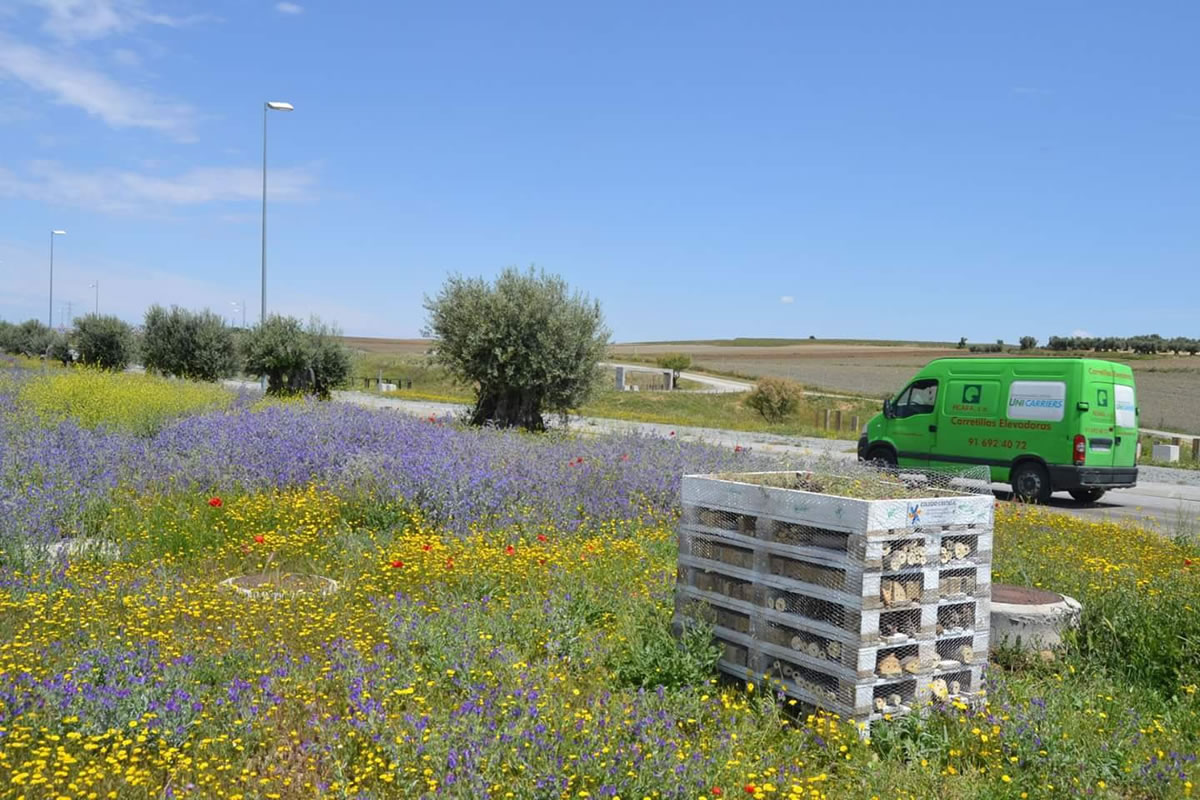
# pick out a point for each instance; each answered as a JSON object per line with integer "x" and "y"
{"x": 1031, "y": 482}
{"x": 1086, "y": 495}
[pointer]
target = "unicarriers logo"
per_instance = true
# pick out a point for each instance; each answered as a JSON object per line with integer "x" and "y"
{"x": 1036, "y": 402}
{"x": 1039, "y": 400}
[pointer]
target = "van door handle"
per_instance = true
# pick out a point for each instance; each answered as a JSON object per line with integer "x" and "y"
{"x": 933, "y": 428}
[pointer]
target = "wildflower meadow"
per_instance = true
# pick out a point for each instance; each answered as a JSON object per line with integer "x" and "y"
{"x": 495, "y": 622}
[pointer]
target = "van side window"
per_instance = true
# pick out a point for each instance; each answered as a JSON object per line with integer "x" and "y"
{"x": 919, "y": 398}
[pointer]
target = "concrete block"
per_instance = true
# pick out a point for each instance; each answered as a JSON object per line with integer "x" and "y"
{"x": 1166, "y": 452}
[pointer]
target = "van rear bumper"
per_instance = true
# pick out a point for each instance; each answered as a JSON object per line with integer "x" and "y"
{"x": 1063, "y": 477}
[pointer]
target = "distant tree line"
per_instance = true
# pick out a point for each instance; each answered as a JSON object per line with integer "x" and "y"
{"x": 1148, "y": 344}
{"x": 294, "y": 357}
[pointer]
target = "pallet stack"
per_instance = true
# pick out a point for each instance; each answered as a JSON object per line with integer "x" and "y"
{"x": 860, "y": 607}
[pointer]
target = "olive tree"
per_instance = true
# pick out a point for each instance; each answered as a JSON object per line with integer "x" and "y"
{"x": 104, "y": 341}
{"x": 677, "y": 363}
{"x": 297, "y": 359}
{"x": 526, "y": 343}
{"x": 31, "y": 338}
{"x": 188, "y": 344}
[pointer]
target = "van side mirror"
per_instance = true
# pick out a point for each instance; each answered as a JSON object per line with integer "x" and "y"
{"x": 1082, "y": 406}
{"x": 887, "y": 409}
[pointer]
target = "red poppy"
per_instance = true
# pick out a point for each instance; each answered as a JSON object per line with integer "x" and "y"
{"x": 259, "y": 539}
{"x": 541, "y": 562}
{"x": 397, "y": 564}
{"x": 672, "y": 433}
{"x": 542, "y": 537}
{"x": 427, "y": 547}
{"x": 215, "y": 502}
{"x": 449, "y": 563}
{"x": 1187, "y": 562}
{"x": 510, "y": 550}
{"x": 749, "y": 787}
{"x": 579, "y": 460}
{"x": 737, "y": 448}
{"x": 716, "y": 791}
{"x": 625, "y": 456}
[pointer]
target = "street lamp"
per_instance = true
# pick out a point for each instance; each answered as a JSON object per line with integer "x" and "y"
{"x": 275, "y": 106}
{"x": 96, "y": 285}
{"x": 50, "y": 320}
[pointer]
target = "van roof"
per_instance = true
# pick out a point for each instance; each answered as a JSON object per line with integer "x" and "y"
{"x": 998, "y": 364}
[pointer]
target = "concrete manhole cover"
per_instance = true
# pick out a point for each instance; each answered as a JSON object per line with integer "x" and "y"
{"x": 1032, "y": 619}
{"x": 1022, "y": 595}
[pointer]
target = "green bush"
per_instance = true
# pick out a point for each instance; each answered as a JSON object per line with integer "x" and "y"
{"x": 187, "y": 344}
{"x": 296, "y": 359}
{"x": 652, "y": 656}
{"x": 677, "y": 363}
{"x": 60, "y": 350}
{"x": 1028, "y": 342}
{"x": 31, "y": 338}
{"x": 527, "y": 344}
{"x": 775, "y": 398}
{"x": 104, "y": 341}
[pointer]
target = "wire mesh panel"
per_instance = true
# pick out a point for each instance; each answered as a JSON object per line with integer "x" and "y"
{"x": 857, "y": 590}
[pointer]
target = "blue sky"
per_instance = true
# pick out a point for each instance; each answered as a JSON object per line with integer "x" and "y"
{"x": 884, "y": 170}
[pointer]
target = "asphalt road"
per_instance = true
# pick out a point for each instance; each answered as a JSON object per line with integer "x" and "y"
{"x": 1168, "y": 500}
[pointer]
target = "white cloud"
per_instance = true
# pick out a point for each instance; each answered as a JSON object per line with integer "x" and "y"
{"x": 1080, "y": 332}
{"x": 126, "y": 192}
{"x": 288, "y": 8}
{"x": 97, "y": 94}
{"x": 74, "y": 20}
{"x": 787, "y": 299}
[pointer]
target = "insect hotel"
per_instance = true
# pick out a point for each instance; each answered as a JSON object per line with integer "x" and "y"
{"x": 848, "y": 593}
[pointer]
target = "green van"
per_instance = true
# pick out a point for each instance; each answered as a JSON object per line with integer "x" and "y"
{"x": 1041, "y": 424}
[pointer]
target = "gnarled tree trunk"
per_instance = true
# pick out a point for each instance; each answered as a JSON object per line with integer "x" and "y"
{"x": 509, "y": 409}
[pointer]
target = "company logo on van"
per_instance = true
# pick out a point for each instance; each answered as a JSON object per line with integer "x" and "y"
{"x": 1037, "y": 400}
{"x": 1034, "y": 402}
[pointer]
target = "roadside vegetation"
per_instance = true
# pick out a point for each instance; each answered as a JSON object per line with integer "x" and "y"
{"x": 494, "y": 589}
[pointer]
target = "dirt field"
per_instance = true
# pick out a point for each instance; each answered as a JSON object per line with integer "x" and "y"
{"x": 1167, "y": 386}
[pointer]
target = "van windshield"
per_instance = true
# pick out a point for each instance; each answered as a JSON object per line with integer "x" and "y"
{"x": 918, "y": 398}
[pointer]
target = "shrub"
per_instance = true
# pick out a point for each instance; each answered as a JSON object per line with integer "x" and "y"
{"x": 31, "y": 338}
{"x": 187, "y": 344}
{"x": 104, "y": 341}
{"x": 677, "y": 363}
{"x": 651, "y": 656}
{"x": 775, "y": 398}
{"x": 296, "y": 359}
{"x": 60, "y": 349}
{"x": 525, "y": 342}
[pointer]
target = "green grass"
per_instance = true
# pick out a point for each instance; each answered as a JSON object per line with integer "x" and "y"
{"x": 724, "y": 410}
{"x": 746, "y": 341}
{"x": 1185, "y": 454}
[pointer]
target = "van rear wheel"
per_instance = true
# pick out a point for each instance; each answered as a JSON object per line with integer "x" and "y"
{"x": 1086, "y": 495}
{"x": 1031, "y": 482}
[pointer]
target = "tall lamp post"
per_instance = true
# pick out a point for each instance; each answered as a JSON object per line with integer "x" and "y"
{"x": 276, "y": 106}
{"x": 96, "y": 285}
{"x": 50, "y": 318}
